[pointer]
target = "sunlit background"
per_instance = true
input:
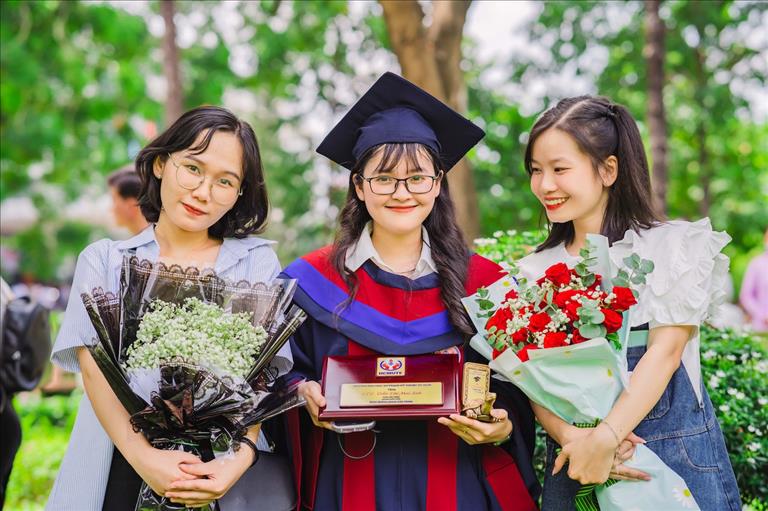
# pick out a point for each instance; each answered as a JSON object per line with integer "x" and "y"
{"x": 84, "y": 85}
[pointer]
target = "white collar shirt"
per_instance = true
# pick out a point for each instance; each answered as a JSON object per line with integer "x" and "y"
{"x": 364, "y": 250}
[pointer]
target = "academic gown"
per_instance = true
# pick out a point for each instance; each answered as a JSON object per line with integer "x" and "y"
{"x": 415, "y": 464}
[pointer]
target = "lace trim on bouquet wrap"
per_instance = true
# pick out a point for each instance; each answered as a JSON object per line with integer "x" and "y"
{"x": 142, "y": 281}
{"x": 103, "y": 308}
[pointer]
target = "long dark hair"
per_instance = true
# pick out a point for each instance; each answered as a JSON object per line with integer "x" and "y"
{"x": 447, "y": 245}
{"x": 249, "y": 214}
{"x": 602, "y": 128}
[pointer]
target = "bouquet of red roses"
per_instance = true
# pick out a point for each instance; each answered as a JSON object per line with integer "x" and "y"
{"x": 562, "y": 340}
{"x": 564, "y": 307}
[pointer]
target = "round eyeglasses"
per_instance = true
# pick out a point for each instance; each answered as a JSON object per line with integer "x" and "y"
{"x": 387, "y": 185}
{"x": 225, "y": 189}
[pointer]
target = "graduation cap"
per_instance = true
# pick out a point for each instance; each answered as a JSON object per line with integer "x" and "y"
{"x": 396, "y": 111}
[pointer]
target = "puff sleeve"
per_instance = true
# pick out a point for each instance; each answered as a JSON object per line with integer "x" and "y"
{"x": 688, "y": 282}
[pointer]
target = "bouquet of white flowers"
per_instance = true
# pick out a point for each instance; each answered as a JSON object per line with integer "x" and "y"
{"x": 196, "y": 332}
{"x": 192, "y": 356}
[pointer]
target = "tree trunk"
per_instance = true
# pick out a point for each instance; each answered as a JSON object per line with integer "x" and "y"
{"x": 431, "y": 58}
{"x": 171, "y": 67}
{"x": 705, "y": 168}
{"x": 657, "y": 122}
{"x": 445, "y": 35}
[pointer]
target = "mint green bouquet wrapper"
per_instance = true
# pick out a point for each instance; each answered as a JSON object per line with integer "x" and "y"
{"x": 580, "y": 383}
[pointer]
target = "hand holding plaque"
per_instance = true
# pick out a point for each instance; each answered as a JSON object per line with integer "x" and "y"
{"x": 390, "y": 387}
{"x": 476, "y": 400}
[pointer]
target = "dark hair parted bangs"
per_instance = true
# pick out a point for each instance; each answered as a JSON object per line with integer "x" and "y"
{"x": 249, "y": 214}
{"x": 601, "y": 129}
{"x": 393, "y": 154}
{"x": 447, "y": 245}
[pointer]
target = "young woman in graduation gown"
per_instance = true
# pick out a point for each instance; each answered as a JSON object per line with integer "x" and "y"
{"x": 391, "y": 283}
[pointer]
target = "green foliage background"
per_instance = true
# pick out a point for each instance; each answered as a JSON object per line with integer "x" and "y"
{"x": 75, "y": 104}
{"x": 75, "y": 96}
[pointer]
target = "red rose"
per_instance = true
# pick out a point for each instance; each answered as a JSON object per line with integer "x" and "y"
{"x": 572, "y": 310}
{"x": 523, "y": 353}
{"x": 496, "y": 352}
{"x": 624, "y": 298}
{"x": 612, "y": 321}
{"x": 538, "y": 321}
{"x": 563, "y": 297}
{"x": 555, "y": 339}
{"x": 511, "y": 295}
{"x": 576, "y": 337}
{"x": 520, "y": 336}
{"x": 499, "y": 319}
{"x": 558, "y": 274}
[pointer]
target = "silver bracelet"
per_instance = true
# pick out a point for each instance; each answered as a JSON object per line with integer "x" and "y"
{"x": 615, "y": 435}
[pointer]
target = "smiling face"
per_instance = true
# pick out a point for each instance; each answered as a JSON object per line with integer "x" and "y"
{"x": 401, "y": 212}
{"x": 219, "y": 167}
{"x": 564, "y": 179}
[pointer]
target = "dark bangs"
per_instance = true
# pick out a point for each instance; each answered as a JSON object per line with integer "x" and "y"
{"x": 393, "y": 154}
{"x": 448, "y": 248}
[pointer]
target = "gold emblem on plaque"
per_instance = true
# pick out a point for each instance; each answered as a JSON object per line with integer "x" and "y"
{"x": 390, "y": 366}
{"x": 476, "y": 400}
{"x": 394, "y": 394}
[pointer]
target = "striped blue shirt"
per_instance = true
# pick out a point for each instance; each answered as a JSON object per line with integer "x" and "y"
{"x": 82, "y": 478}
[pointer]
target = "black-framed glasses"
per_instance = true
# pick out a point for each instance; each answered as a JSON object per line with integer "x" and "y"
{"x": 387, "y": 185}
{"x": 224, "y": 189}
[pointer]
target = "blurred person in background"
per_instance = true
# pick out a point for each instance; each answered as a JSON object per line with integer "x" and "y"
{"x": 124, "y": 187}
{"x": 50, "y": 297}
{"x": 754, "y": 290}
{"x": 10, "y": 428}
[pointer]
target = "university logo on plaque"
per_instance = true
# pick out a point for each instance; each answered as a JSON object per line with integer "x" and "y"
{"x": 390, "y": 366}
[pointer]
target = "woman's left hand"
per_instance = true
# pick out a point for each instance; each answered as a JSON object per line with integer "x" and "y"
{"x": 215, "y": 478}
{"x": 476, "y": 432}
{"x": 590, "y": 458}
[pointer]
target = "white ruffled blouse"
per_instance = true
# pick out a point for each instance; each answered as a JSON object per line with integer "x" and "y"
{"x": 687, "y": 285}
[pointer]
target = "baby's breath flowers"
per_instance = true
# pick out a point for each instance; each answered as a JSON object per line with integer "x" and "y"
{"x": 195, "y": 333}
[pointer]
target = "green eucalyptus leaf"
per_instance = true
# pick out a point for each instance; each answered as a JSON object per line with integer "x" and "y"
{"x": 591, "y": 331}
{"x": 485, "y": 304}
